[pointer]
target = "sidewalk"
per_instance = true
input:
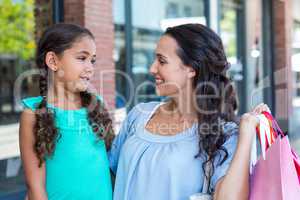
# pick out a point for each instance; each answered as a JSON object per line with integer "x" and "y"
{"x": 12, "y": 178}
{"x": 9, "y": 141}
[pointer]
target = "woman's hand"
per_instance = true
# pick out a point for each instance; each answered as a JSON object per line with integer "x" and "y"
{"x": 249, "y": 121}
{"x": 238, "y": 172}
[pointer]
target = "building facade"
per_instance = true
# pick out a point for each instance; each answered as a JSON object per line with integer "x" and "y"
{"x": 261, "y": 39}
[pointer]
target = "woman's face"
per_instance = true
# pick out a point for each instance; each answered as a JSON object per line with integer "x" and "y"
{"x": 75, "y": 67}
{"x": 171, "y": 75}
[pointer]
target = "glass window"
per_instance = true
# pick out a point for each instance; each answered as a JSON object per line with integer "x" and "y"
{"x": 17, "y": 47}
{"x": 149, "y": 20}
{"x": 230, "y": 27}
{"x": 187, "y": 11}
{"x": 119, "y": 52}
{"x": 294, "y": 120}
{"x": 172, "y": 10}
{"x": 17, "y": 79}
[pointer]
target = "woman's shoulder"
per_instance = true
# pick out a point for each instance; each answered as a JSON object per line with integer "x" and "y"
{"x": 31, "y": 102}
{"x": 141, "y": 110}
{"x": 145, "y": 108}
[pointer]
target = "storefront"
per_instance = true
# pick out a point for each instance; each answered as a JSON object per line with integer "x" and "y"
{"x": 126, "y": 39}
{"x": 136, "y": 35}
{"x": 295, "y": 60}
{"x": 18, "y": 78}
{"x": 138, "y": 26}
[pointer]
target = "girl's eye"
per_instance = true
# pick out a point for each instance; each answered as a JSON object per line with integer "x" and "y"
{"x": 82, "y": 58}
{"x": 93, "y": 61}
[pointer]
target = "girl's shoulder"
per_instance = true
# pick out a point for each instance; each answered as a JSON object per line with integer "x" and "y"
{"x": 100, "y": 98}
{"x": 31, "y": 102}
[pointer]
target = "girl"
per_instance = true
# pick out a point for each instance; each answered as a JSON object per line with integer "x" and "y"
{"x": 62, "y": 131}
{"x": 163, "y": 149}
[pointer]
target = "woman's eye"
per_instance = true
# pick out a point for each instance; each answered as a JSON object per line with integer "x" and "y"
{"x": 162, "y": 62}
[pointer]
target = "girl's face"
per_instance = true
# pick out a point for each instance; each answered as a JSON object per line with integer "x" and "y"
{"x": 75, "y": 67}
{"x": 171, "y": 75}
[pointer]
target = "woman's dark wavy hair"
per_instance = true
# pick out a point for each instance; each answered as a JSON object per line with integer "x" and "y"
{"x": 202, "y": 49}
{"x": 57, "y": 39}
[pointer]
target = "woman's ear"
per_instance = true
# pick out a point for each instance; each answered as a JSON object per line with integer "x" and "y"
{"x": 51, "y": 61}
{"x": 191, "y": 72}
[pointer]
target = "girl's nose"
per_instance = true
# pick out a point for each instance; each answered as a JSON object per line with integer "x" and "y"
{"x": 89, "y": 69}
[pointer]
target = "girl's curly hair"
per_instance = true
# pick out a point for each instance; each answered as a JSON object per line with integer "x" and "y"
{"x": 59, "y": 38}
{"x": 202, "y": 49}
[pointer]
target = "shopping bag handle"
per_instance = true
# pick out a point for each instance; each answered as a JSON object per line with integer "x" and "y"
{"x": 264, "y": 133}
{"x": 267, "y": 132}
{"x": 265, "y": 137}
{"x": 275, "y": 125}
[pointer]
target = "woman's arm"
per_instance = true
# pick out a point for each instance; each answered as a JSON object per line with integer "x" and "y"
{"x": 34, "y": 175}
{"x": 235, "y": 184}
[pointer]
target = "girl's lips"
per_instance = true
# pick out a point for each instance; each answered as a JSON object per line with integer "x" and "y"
{"x": 85, "y": 81}
{"x": 85, "y": 78}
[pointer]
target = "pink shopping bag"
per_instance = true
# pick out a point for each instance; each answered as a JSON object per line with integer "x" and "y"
{"x": 297, "y": 163}
{"x": 277, "y": 132}
{"x": 276, "y": 178}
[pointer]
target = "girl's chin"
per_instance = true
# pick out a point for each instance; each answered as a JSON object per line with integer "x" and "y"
{"x": 87, "y": 88}
{"x": 81, "y": 87}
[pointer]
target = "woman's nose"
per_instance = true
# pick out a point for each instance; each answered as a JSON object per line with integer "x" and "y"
{"x": 153, "y": 68}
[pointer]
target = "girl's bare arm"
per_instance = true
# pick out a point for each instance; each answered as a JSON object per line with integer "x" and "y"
{"x": 34, "y": 175}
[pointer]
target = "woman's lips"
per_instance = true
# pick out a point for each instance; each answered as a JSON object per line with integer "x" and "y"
{"x": 159, "y": 81}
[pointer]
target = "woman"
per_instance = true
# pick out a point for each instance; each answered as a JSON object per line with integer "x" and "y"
{"x": 162, "y": 148}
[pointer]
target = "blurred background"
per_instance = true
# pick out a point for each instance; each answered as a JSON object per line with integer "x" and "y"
{"x": 261, "y": 39}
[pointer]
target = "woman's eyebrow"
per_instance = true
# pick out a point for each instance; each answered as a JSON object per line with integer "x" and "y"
{"x": 161, "y": 56}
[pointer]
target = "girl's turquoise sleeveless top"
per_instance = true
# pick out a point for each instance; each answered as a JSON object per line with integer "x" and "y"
{"x": 79, "y": 167}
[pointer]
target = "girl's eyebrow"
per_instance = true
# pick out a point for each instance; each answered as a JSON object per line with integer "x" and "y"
{"x": 85, "y": 52}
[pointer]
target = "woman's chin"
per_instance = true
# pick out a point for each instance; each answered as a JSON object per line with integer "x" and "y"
{"x": 167, "y": 89}
{"x": 165, "y": 92}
